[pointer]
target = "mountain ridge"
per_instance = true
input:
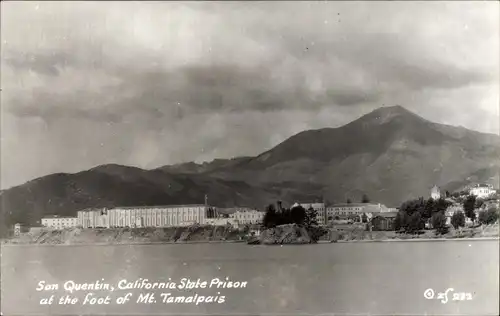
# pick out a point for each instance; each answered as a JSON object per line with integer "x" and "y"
{"x": 391, "y": 154}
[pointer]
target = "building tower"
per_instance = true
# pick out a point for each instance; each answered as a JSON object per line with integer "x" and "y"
{"x": 435, "y": 193}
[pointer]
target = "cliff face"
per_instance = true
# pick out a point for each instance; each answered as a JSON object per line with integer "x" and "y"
{"x": 76, "y": 236}
{"x": 289, "y": 234}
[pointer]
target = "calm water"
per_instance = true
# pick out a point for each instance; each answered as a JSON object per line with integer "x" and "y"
{"x": 348, "y": 278}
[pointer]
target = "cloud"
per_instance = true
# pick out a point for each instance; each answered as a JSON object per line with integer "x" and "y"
{"x": 152, "y": 83}
{"x": 44, "y": 64}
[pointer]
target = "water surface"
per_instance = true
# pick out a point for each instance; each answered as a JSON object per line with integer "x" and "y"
{"x": 349, "y": 278}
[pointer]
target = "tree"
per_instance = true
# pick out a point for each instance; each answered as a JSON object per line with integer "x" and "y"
{"x": 364, "y": 218}
{"x": 448, "y": 194}
{"x": 398, "y": 221}
{"x": 442, "y": 205}
{"x": 489, "y": 216}
{"x": 429, "y": 208}
{"x": 439, "y": 223}
{"x": 469, "y": 205}
{"x": 365, "y": 199}
{"x": 311, "y": 217}
{"x": 298, "y": 215}
{"x": 415, "y": 223}
{"x": 349, "y": 201}
{"x": 458, "y": 220}
{"x": 479, "y": 203}
{"x": 270, "y": 217}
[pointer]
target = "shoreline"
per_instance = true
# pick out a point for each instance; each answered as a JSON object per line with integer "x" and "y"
{"x": 415, "y": 240}
{"x": 129, "y": 243}
{"x": 244, "y": 242}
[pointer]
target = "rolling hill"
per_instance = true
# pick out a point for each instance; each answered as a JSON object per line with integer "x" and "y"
{"x": 391, "y": 154}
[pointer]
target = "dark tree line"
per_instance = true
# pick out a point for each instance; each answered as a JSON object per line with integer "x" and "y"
{"x": 470, "y": 204}
{"x": 295, "y": 215}
{"x": 413, "y": 215}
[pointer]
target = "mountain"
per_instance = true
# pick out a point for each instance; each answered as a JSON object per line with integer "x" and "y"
{"x": 114, "y": 185}
{"x": 391, "y": 154}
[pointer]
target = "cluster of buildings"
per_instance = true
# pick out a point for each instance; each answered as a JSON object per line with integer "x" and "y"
{"x": 481, "y": 191}
{"x": 186, "y": 215}
{"x": 156, "y": 216}
{"x": 379, "y": 215}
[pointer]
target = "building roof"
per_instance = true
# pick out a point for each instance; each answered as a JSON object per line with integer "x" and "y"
{"x": 160, "y": 206}
{"x": 368, "y": 207}
{"x": 312, "y": 204}
{"x": 231, "y": 210}
{"x": 226, "y": 211}
{"x": 482, "y": 185}
{"x": 386, "y": 214}
{"x": 57, "y": 216}
{"x": 92, "y": 209}
{"x": 351, "y": 204}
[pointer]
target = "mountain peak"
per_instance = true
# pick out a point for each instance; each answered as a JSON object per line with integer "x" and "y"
{"x": 393, "y": 110}
{"x": 388, "y": 113}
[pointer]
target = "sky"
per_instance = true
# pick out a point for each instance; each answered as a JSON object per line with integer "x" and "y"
{"x": 148, "y": 84}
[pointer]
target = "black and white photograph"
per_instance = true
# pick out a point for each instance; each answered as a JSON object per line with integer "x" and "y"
{"x": 249, "y": 158}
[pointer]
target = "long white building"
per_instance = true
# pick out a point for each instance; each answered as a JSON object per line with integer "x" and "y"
{"x": 346, "y": 209}
{"x": 59, "y": 222}
{"x": 147, "y": 216}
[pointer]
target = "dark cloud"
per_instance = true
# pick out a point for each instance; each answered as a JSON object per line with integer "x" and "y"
{"x": 48, "y": 64}
{"x": 352, "y": 97}
{"x": 186, "y": 90}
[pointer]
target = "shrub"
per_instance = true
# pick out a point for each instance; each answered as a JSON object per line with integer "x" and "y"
{"x": 458, "y": 220}
{"x": 316, "y": 232}
{"x": 489, "y": 216}
{"x": 439, "y": 223}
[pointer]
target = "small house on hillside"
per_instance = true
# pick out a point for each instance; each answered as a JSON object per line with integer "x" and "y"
{"x": 482, "y": 190}
{"x": 384, "y": 221}
{"x": 20, "y": 228}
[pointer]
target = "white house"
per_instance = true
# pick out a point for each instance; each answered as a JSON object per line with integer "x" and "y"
{"x": 59, "y": 222}
{"x": 245, "y": 216}
{"x": 482, "y": 190}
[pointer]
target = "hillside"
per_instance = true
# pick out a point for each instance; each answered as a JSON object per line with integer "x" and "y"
{"x": 391, "y": 154}
{"x": 115, "y": 185}
{"x": 205, "y": 167}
